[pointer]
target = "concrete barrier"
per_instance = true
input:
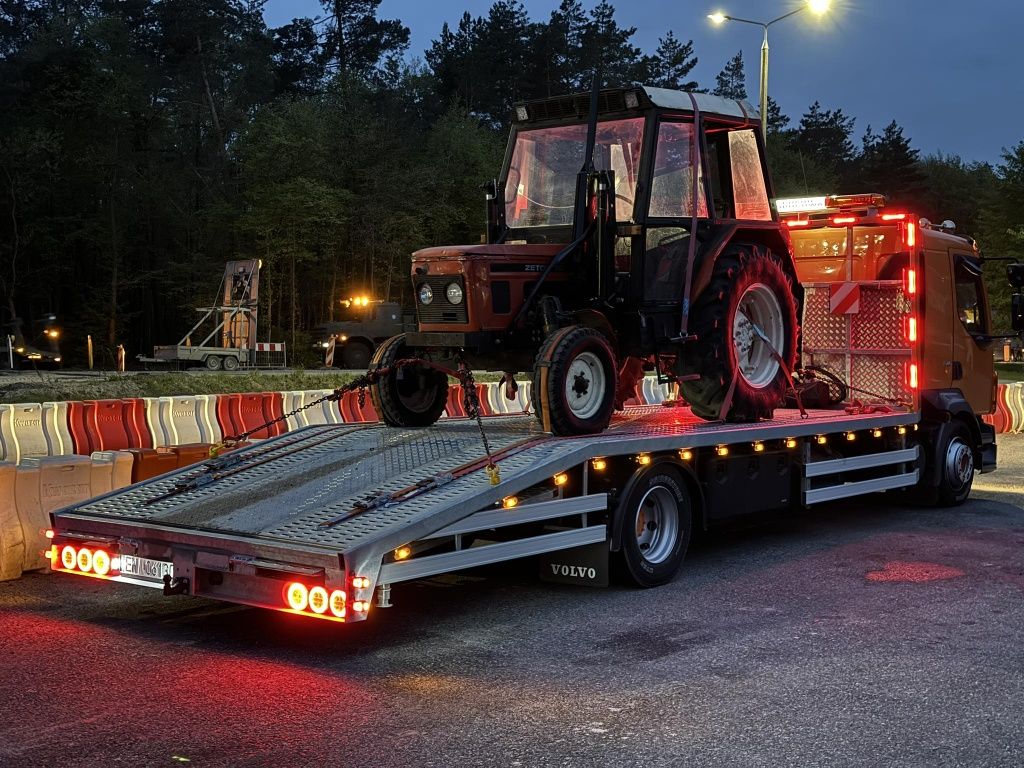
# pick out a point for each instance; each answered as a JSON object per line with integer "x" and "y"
{"x": 21, "y": 431}
{"x": 12, "y": 539}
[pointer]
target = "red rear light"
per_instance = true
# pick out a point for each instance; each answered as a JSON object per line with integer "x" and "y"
{"x": 297, "y": 596}
{"x": 100, "y": 563}
{"x": 318, "y": 600}
{"x": 893, "y": 216}
{"x": 844, "y": 219}
{"x": 912, "y": 376}
{"x": 798, "y": 223}
{"x": 912, "y": 329}
{"x": 85, "y": 559}
{"x": 68, "y": 557}
{"x": 910, "y": 281}
{"x": 911, "y": 234}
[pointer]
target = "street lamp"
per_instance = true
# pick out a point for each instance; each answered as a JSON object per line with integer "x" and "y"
{"x": 817, "y": 7}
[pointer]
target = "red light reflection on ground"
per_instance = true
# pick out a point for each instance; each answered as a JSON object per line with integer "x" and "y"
{"x": 914, "y": 573}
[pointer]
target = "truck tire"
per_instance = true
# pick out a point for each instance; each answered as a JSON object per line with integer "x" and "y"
{"x": 411, "y": 396}
{"x": 955, "y": 458}
{"x": 230, "y": 363}
{"x": 653, "y": 524}
{"x": 579, "y": 383}
{"x": 355, "y": 355}
{"x": 212, "y": 362}
{"x": 749, "y": 289}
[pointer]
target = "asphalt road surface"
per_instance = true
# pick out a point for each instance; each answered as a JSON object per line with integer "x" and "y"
{"x": 854, "y": 634}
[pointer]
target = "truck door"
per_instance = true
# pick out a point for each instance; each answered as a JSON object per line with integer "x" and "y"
{"x": 939, "y": 319}
{"x": 972, "y": 366}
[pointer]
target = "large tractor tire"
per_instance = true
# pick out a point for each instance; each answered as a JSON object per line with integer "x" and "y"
{"x": 575, "y": 375}
{"x": 750, "y": 298}
{"x": 410, "y": 396}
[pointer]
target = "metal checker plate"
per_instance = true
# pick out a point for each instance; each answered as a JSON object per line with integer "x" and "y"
{"x": 286, "y": 499}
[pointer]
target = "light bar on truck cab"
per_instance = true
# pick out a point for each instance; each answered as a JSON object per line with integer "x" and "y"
{"x": 844, "y": 202}
{"x": 800, "y": 204}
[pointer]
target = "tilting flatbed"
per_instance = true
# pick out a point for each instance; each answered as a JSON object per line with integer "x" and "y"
{"x": 319, "y": 505}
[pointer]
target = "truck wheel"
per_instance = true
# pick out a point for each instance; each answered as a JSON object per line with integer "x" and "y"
{"x": 749, "y": 294}
{"x": 212, "y": 363}
{"x": 356, "y": 355}
{"x": 956, "y": 466}
{"x": 654, "y": 522}
{"x": 230, "y": 363}
{"x": 580, "y": 381}
{"x": 411, "y": 396}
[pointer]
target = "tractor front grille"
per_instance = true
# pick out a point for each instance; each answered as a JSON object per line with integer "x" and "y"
{"x": 440, "y": 310}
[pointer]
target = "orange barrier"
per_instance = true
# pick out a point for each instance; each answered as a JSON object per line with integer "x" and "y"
{"x": 237, "y": 414}
{"x": 151, "y": 462}
{"x": 352, "y": 412}
{"x": 80, "y": 432}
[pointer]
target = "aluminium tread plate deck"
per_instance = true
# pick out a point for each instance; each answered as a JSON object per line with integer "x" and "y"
{"x": 318, "y": 473}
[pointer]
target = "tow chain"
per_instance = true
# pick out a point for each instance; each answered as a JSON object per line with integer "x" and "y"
{"x": 470, "y": 399}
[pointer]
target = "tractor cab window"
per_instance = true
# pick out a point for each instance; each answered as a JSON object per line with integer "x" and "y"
{"x": 749, "y": 193}
{"x": 672, "y": 184}
{"x": 541, "y": 186}
{"x": 970, "y": 297}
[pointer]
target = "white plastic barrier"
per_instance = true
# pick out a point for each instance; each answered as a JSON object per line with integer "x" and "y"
{"x": 209, "y": 427}
{"x": 653, "y": 392}
{"x": 55, "y": 425}
{"x": 43, "y": 485}
{"x": 500, "y": 404}
{"x": 324, "y": 413}
{"x": 180, "y": 421}
{"x": 21, "y": 427}
{"x": 12, "y": 539}
{"x": 110, "y": 470}
{"x": 289, "y": 402}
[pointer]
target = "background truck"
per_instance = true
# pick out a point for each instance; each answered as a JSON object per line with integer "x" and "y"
{"x": 639, "y": 239}
{"x": 322, "y": 522}
{"x": 368, "y": 323}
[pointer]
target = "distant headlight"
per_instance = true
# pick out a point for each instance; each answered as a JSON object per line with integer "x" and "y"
{"x": 454, "y": 293}
{"x": 325, "y": 344}
{"x": 426, "y": 295}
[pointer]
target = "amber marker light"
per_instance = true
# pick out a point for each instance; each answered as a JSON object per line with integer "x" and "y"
{"x": 318, "y": 600}
{"x": 758, "y": 447}
{"x": 643, "y": 459}
{"x": 360, "y": 606}
{"x": 851, "y": 436}
{"x": 599, "y": 465}
{"x": 722, "y": 450}
{"x": 901, "y": 431}
{"x": 876, "y": 433}
{"x": 821, "y": 439}
{"x": 510, "y": 502}
{"x": 686, "y": 454}
{"x": 402, "y": 553}
{"x": 360, "y": 582}
{"x": 561, "y": 479}
{"x": 790, "y": 442}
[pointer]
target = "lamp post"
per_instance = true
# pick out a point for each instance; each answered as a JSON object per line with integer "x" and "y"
{"x": 817, "y": 7}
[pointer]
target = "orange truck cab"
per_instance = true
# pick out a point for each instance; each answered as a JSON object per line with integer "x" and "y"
{"x": 858, "y": 239}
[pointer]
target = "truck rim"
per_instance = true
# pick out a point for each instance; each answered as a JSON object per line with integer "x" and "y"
{"x": 959, "y": 463}
{"x": 585, "y": 385}
{"x": 657, "y": 524}
{"x": 758, "y": 309}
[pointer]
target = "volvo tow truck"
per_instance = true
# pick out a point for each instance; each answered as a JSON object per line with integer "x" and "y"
{"x": 322, "y": 521}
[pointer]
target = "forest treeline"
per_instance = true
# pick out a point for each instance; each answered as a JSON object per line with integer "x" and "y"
{"x": 144, "y": 143}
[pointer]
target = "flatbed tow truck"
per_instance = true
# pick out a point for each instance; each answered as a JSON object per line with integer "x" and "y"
{"x": 322, "y": 521}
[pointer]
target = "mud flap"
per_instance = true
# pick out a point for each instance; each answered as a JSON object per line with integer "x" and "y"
{"x": 585, "y": 566}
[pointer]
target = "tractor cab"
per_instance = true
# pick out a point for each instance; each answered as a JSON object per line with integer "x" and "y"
{"x": 627, "y": 216}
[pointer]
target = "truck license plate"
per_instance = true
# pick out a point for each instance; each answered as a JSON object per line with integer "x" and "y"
{"x": 144, "y": 568}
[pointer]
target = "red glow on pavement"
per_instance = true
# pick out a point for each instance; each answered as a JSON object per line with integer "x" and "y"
{"x": 914, "y": 573}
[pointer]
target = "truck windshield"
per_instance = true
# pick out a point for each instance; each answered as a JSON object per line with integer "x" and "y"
{"x": 541, "y": 184}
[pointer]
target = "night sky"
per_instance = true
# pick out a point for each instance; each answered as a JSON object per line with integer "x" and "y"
{"x": 949, "y": 72}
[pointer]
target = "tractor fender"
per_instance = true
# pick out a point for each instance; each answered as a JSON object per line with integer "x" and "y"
{"x": 767, "y": 233}
{"x": 591, "y": 318}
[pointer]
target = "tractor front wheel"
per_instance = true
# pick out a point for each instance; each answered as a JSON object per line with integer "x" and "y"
{"x": 745, "y": 324}
{"x": 410, "y": 395}
{"x": 574, "y": 377}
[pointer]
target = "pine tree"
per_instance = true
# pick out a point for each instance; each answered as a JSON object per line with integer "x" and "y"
{"x": 356, "y": 42}
{"x": 777, "y": 121}
{"x": 824, "y": 136}
{"x": 731, "y": 83}
{"x": 608, "y": 47}
{"x": 671, "y": 64}
{"x": 889, "y": 165}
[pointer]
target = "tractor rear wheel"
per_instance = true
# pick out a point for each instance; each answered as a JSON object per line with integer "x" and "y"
{"x": 575, "y": 373}
{"x": 744, "y": 321}
{"x": 410, "y": 396}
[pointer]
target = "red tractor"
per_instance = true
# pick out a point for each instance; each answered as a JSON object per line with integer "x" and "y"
{"x": 630, "y": 231}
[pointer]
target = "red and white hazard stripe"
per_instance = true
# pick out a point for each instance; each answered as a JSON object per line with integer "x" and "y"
{"x": 270, "y": 346}
{"x": 844, "y": 298}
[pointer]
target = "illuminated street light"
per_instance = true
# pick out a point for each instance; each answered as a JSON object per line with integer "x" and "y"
{"x": 817, "y": 7}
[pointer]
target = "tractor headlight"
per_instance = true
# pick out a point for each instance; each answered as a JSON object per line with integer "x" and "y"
{"x": 454, "y": 293}
{"x": 426, "y": 295}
